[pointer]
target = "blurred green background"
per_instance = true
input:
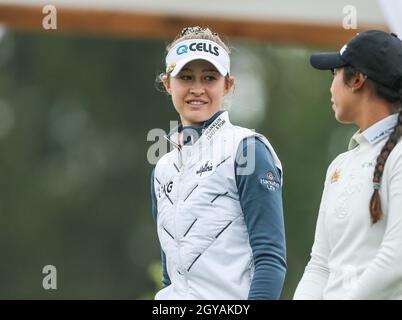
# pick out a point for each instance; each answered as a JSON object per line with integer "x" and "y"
{"x": 75, "y": 112}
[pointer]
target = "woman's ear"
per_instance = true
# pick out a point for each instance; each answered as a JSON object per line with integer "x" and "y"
{"x": 229, "y": 82}
{"x": 166, "y": 83}
{"x": 358, "y": 81}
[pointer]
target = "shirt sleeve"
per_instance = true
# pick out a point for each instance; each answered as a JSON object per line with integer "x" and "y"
{"x": 165, "y": 275}
{"x": 383, "y": 277}
{"x": 260, "y": 194}
{"x": 316, "y": 273}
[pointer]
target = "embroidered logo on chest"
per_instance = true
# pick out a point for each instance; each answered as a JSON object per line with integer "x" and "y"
{"x": 346, "y": 200}
{"x": 368, "y": 164}
{"x": 205, "y": 170}
{"x": 336, "y": 175}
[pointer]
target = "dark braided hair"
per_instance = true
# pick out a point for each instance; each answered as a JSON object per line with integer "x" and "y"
{"x": 393, "y": 96}
{"x": 375, "y": 202}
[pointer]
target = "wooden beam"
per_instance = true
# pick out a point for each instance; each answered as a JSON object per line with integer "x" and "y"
{"x": 131, "y": 24}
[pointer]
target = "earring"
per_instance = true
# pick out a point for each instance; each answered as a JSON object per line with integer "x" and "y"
{"x": 353, "y": 89}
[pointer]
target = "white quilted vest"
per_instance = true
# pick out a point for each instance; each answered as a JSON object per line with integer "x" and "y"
{"x": 200, "y": 222}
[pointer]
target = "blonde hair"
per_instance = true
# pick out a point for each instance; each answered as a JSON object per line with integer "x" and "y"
{"x": 186, "y": 34}
{"x": 198, "y": 33}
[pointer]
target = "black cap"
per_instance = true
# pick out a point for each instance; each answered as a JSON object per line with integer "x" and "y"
{"x": 377, "y": 54}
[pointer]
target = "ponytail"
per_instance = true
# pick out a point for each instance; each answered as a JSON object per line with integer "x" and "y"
{"x": 375, "y": 202}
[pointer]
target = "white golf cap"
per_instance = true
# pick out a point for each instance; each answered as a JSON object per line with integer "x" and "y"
{"x": 195, "y": 49}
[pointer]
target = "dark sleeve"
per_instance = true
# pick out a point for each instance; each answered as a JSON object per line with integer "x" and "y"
{"x": 165, "y": 276}
{"x": 260, "y": 193}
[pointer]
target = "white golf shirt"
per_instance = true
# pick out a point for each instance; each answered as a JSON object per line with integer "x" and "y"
{"x": 351, "y": 258}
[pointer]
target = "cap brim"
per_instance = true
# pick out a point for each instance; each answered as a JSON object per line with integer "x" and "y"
{"x": 180, "y": 64}
{"x": 327, "y": 60}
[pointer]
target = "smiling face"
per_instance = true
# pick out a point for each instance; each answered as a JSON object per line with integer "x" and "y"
{"x": 197, "y": 91}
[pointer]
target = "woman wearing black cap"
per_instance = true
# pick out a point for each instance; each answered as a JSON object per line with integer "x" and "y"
{"x": 357, "y": 250}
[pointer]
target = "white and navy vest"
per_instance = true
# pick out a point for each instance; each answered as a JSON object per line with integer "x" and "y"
{"x": 200, "y": 222}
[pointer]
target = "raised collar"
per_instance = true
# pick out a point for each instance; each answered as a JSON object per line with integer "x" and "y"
{"x": 377, "y": 132}
{"x": 191, "y": 134}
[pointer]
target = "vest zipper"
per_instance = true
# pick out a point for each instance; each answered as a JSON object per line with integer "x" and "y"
{"x": 181, "y": 271}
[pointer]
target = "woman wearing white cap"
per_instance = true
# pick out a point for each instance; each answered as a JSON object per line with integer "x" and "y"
{"x": 357, "y": 251}
{"x": 216, "y": 197}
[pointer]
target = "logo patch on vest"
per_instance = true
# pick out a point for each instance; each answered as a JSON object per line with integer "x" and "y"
{"x": 165, "y": 188}
{"x": 205, "y": 170}
{"x": 213, "y": 128}
{"x": 268, "y": 182}
{"x": 169, "y": 186}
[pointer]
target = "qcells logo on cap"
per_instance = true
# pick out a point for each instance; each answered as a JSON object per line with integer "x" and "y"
{"x": 182, "y": 49}
{"x": 198, "y": 46}
{"x": 204, "y": 47}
